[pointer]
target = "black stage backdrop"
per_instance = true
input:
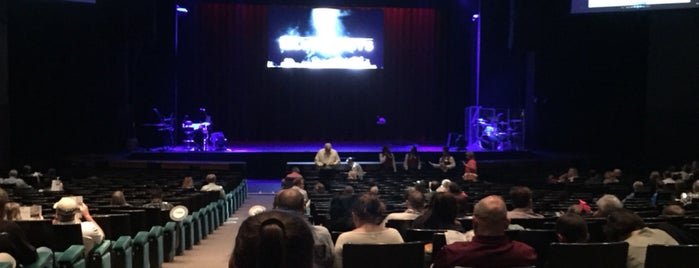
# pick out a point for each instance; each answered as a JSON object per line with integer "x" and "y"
{"x": 223, "y": 50}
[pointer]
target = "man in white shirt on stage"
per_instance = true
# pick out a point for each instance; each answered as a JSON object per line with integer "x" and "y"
{"x": 327, "y": 160}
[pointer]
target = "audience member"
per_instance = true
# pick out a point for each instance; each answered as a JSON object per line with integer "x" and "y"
{"x": 411, "y": 162}
{"x": 13, "y": 178}
{"x": 290, "y": 200}
{"x": 522, "y": 204}
{"x": 606, "y": 205}
{"x": 490, "y": 247}
{"x": 319, "y": 188}
{"x": 461, "y": 201}
{"x": 356, "y": 171}
{"x": 415, "y": 204}
{"x": 12, "y": 212}
{"x": 570, "y": 176}
{"x": 638, "y": 187}
{"x": 582, "y": 209}
{"x": 672, "y": 210}
{"x": 624, "y": 225}
{"x": 341, "y": 210}
{"x": 680, "y": 235}
{"x": 609, "y": 178}
{"x": 118, "y": 199}
{"x": 298, "y": 186}
{"x": 444, "y": 187}
{"x": 295, "y": 173}
{"x": 273, "y": 239}
{"x": 327, "y": 160}
{"x": 446, "y": 161}
{"x": 440, "y": 215}
{"x": 470, "y": 168}
{"x": 188, "y": 183}
{"x": 386, "y": 160}
{"x": 19, "y": 247}
{"x": 156, "y": 200}
{"x": 571, "y": 228}
{"x": 211, "y": 185}
{"x": 374, "y": 190}
{"x": 66, "y": 213}
{"x": 367, "y": 215}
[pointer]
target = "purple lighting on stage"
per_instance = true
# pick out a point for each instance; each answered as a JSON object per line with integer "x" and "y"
{"x": 181, "y": 9}
{"x": 475, "y": 17}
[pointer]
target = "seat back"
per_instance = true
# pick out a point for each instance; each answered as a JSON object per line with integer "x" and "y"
{"x": 66, "y": 235}
{"x": 533, "y": 223}
{"x": 538, "y": 239}
{"x": 424, "y": 235}
{"x": 405, "y": 255}
{"x": 606, "y": 255}
{"x": 137, "y": 218}
{"x": 401, "y": 225}
{"x": 661, "y": 256}
{"x": 38, "y": 232}
{"x": 155, "y": 249}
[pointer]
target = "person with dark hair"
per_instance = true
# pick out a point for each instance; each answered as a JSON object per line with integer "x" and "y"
{"x": 367, "y": 215}
{"x": 440, "y": 215}
{"x": 624, "y": 225}
{"x": 470, "y": 168}
{"x": 156, "y": 200}
{"x": 446, "y": 162}
{"x": 340, "y": 210}
{"x": 490, "y": 247}
{"x": 411, "y": 162}
{"x": 188, "y": 184}
{"x": 118, "y": 199}
{"x": 386, "y": 160}
{"x": 571, "y": 228}
{"x": 19, "y": 247}
{"x": 66, "y": 213}
{"x": 522, "y": 204}
{"x": 319, "y": 188}
{"x": 292, "y": 201}
{"x": 211, "y": 185}
{"x": 415, "y": 203}
{"x": 273, "y": 239}
{"x": 461, "y": 201}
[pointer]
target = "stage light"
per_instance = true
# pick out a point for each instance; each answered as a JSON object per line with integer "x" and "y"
{"x": 181, "y": 9}
{"x": 475, "y": 17}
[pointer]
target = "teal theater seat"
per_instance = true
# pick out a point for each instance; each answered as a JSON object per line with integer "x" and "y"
{"x": 100, "y": 256}
{"x": 73, "y": 257}
{"x": 169, "y": 241}
{"x": 141, "y": 256}
{"x": 155, "y": 248}
{"x": 122, "y": 252}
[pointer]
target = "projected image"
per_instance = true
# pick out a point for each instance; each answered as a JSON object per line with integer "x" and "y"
{"x": 325, "y": 38}
{"x": 590, "y": 6}
{"x": 620, "y": 3}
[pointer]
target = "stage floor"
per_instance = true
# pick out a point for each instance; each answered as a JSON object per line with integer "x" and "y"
{"x": 305, "y": 147}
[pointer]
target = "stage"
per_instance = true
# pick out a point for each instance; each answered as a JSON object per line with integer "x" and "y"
{"x": 271, "y": 159}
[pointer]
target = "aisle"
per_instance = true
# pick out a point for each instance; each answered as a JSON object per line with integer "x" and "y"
{"x": 214, "y": 251}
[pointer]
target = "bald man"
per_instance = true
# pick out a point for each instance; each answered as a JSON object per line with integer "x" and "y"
{"x": 327, "y": 159}
{"x": 490, "y": 247}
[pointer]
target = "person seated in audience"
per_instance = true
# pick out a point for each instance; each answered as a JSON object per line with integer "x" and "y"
{"x": 444, "y": 187}
{"x": 522, "y": 204}
{"x": 470, "y": 168}
{"x": 571, "y": 228}
{"x": 446, "y": 162}
{"x": 298, "y": 185}
{"x": 367, "y": 214}
{"x": 680, "y": 235}
{"x": 411, "y": 162}
{"x": 295, "y": 173}
{"x": 461, "y": 201}
{"x": 356, "y": 171}
{"x": 386, "y": 160}
{"x": 374, "y": 190}
{"x": 327, "y": 160}
{"x": 606, "y": 205}
{"x": 156, "y": 200}
{"x": 695, "y": 190}
{"x": 624, "y": 225}
{"x": 12, "y": 212}
{"x": 273, "y": 239}
{"x": 655, "y": 180}
{"x": 341, "y": 210}
{"x": 582, "y": 209}
{"x": 13, "y": 178}
{"x": 433, "y": 186}
{"x": 609, "y": 178}
{"x": 638, "y": 187}
{"x": 667, "y": 178}
{"x": 319, "y": 188}
{"x": 415, "y": 204}
{"x": 19, "y": 247}
{"x": 440, "y": 215}
{"x": 490, "y": 247}
{"x": 66, "y": 213}
{"x": 570, "y": 176}
{"x": 118, "y": 199}
{"x": 211, "y": 185}
{"x": 188, "y": 184}
{"x": 292, "y": 201}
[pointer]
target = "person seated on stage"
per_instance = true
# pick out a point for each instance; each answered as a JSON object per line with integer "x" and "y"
{"x": 367, "y": 215}
{"x": 13, "y": 178}
{"x": 522, "y": 204}
{"x": 273, "y": 239}
{"x": 446, "y": 161}
{"x": 415, "y": 203}
{"x": 386, "y": 160}
{"x": 606, "y": 205}
{"x": 411, "y": 162}
{"x": 156, "y": 200}
{"x": 571, "y": 228}
{"x": 440, "y": 215}
{"x": 292, "y": 201}
{"x": 118, "y": 199}
{"x": 211, "y": 185}
{"x": 327, "y": 160}
{"x": 490, "y": 247}
{"x": 470, "y": 168}
{"x": 66, "y": 213}
{"x": 356, "y": 172}
{"x": 624, "y": 225}
{"x": 19, "y": 247}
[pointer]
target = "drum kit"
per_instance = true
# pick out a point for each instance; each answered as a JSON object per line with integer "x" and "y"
{"x": 196, "y": 134}
{"x": 499, "y": 135}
